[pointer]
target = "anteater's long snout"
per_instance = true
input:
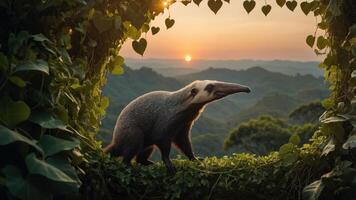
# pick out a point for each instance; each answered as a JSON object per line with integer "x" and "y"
{"x": 223, "y": 89}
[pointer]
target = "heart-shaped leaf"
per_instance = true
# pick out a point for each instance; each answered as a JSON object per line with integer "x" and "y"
{"x": 140, "y": 46}
{"x": 266, "y": 9}
{"x": 186, "y": 2}
{"x": 215, "y": 5}
{"x": 306, "y": 7}
{"x": 155, "y": 30}
{"x": 249, "y": 5}
{"x": 321, "y": 42}
{"x": 197, "y": 2}
{"x": 13, "y": 112}
{"x": 169, "y": 22}
{"x": 281, "y": 2}
{"x": 291, "y": 5}
{"x": 310, "y": 40}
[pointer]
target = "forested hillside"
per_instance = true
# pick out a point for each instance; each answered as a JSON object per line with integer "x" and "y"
{"x": 273, "y": 93}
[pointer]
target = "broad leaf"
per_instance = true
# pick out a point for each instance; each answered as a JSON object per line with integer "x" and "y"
{"x": 312, "y": 191}
{"x": 140, "y": 46}
{"x": 294, "y": 139}
{"x": 350, "y": 142}
{"x": 330, "y": 147}
{"x": 310, "y": 40}
{"x": 37, "y": 65}
{"x": 215, "y": 5}
{"x": 52, "y": 145}
{"x": 13, "y": 112}
{"x": 249, "y": 5}
{"x": 24, "y": 189}
{"x": 8, "y": 136}
{"x": 47, "y": 120}
{"x": 41, "y": 167}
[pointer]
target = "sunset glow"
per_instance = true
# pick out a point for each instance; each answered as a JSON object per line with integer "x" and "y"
{"x": 188, "y": 58}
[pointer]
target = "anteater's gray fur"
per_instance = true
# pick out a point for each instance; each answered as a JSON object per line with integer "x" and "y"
{"x": 159, "y": 119}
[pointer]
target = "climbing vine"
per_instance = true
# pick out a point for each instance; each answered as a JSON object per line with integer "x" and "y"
{"x": 54, "y": 57}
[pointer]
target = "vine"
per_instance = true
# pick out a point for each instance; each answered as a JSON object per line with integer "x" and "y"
{"x": 54, "y": 57}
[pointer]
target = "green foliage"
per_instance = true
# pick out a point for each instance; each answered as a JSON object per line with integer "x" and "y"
{"x": 265, "y": 134}
{"x": 53, "y": 59}
{"x": 244, "y": 176}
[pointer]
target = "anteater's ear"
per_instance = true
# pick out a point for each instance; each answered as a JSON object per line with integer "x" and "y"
{"x": 194, "y": 92}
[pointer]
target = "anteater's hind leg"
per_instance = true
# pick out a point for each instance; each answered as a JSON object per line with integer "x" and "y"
{"x": 143, "y": 156}
{"x": 131, "y": 144}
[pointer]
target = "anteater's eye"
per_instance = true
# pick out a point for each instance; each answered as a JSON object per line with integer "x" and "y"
{"x": 209, "y": 88}
{"x": 194, "y": 92}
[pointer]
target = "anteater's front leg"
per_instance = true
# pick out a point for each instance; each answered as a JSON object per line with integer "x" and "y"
{"x": 165, "y": 148}
{"x": 182, "y": 141}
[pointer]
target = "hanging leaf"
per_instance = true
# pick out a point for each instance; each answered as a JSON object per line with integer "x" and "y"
{"x": 169, "y": 22}
{"x": 186, "y": 2}
{"x": 40, "y": 167}
{"x": 306, "y": 7}
{"x": 215, "y": 5}
{"x": 249, "y": 5}
{"x": 155, "y": 30}
{"x": 52, "y": 145}
{"x": 102, "y": 22}
{"x": 197, "y": 2}
{"x": 281, "y": 2}
{"x": 13, "y": 112}
{"x": 330, "y": 147}
{"x": 37, "y": 65}
{"x": 266, "y": 9}
{"x": 310, "y": 40}
{"x": 8, "y": 136}
{"x": 140, "y": 46}
{"x": 350, "y": 142}
{"x": 321, "y": 42}
{"x": 291, "y": 5}
{"x": 313, "y": 190}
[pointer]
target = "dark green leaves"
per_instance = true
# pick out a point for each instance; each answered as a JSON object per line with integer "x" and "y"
{"x": 321, "y": 42}
{"x": 266, "y": 9}
{"x": 291, "y": 5}
{"x": 52, "y": 145}
{"x": 215, "y": 5}
{"x": 13, "y": 112}
{"x": 40, "y": 167}
{"x": 101, "y": 22}
{"x": 37, "y": 65}
{"x": 47, "y": 120}
{"x": 140, "y": 46}
{"x": 17, "y": 81}
{"x": 169, "y": 22}
{"x": 306, "y": 7}
{"x": 249, "y": 5}
{"x": 154, "y": 30}
{"x": 117, "y": 63}
{"x": 310, "y": 40}
{"x": 281, "y": 2}
{"x": 4, "y": 63}
{"x": 8, "y": 136}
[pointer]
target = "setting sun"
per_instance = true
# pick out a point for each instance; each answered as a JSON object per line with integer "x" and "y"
{"x": 188, "y": 58}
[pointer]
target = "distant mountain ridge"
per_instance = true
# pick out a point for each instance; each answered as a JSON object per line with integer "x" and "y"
{"x": 272, "y": 93}
{"x": 174, "y": 67}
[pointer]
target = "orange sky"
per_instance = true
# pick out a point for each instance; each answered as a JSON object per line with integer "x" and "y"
{"x": 231, "y": 34}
